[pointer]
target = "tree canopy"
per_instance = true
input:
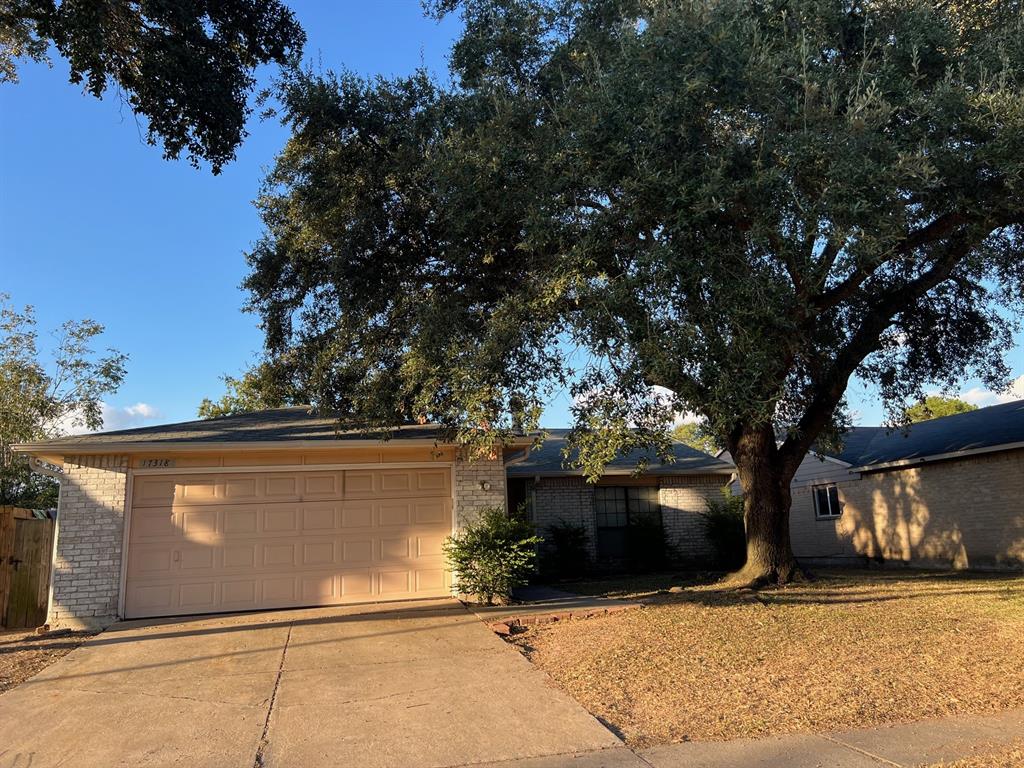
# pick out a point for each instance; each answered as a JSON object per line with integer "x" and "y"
{"x": 186, "y": 66}
{"x": 41, "y": 400}
{"x": 743, "y": 203}
{"x": 693, "y": 435}
{"x": 261, "y": 386}
{"x": 936, "y": 406}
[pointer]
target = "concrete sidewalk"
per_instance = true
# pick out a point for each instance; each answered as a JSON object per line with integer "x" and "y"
{"x": 901, "y": 746}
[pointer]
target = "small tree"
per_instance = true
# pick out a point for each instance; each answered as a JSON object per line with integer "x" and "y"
{"x": 36, "y": 403}
{"x": 493, "y": 554}
{"x": 262, "y": 386}
{"x": 695, "y": 436}
{"x": 723, "y": 524}
{"x": 936, "y": 406}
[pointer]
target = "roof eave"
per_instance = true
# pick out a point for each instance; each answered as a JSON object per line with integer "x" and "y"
{"x": 930, "y": 458}
{"x": 520, "y": 471}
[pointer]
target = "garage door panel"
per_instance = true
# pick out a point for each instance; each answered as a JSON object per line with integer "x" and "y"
{"x": 318, "y": 553}
{"x": 241, "y": 541}
{"x": 394, "y": 549}
{"x": 238, "y": 595}
{"x": 357, "y": 515}
{"x": 392, "y": 513}
{"x": 319, "y": 517}
{"x": 240, "y": 556}
{"x": 357, "y": 551}
{"x": 241, "y": 521}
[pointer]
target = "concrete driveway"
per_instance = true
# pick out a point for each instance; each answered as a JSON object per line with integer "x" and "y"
{"x": 414, "y": 684}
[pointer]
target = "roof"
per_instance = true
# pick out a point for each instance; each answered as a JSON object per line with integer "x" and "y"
{"x": 293, "y": 425}
{"x": 997, "y": 427}
{"x": 548, "y": 461}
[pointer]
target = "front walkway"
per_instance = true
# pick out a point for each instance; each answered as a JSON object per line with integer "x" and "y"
{"x": 417, "y": 684}
{"x": 900, "y": 746}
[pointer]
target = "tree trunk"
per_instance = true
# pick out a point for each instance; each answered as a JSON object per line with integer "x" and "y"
{"x": 767, "y": 499}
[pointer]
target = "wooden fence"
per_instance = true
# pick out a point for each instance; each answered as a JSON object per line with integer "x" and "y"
{"x": 26, "y": 547}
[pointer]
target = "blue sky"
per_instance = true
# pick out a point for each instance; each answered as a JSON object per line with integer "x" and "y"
{"x": 95, "y": 223}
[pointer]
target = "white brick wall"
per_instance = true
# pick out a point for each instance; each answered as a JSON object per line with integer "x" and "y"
{"x": 683, "y": 501}
{"x": 470, "y": 475}
{"x": 90, "y": 530}
{"x": 683, "y": 498}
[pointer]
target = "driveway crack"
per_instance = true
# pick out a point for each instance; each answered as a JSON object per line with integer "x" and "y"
{"x": 258, "y": 762}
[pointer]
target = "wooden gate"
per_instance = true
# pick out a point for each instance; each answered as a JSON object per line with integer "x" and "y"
{"x": 26, "y": 546}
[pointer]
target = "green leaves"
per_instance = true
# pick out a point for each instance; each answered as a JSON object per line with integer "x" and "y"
{"x": 38, "y": 402}
{"x": 493, "y": 554}
{"x": 186, "y": 67}
{"x": 743, "y": 204}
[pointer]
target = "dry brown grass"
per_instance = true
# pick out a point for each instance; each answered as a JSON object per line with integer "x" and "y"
{"x": 848, "y": 650}
{"x": 23, "y": 654}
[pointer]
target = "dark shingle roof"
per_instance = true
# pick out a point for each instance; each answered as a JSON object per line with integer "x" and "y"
{"x": 984, "y": 428}
{"x": 548, "y": 460}
{"x": 296, "y": 423}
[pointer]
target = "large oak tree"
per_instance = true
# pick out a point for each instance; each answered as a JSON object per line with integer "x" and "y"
{"x": 742, "y": 203}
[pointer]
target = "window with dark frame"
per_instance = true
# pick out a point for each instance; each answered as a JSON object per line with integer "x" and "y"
{"x": 616, "y": 508}
{"x": 826, "y": 502}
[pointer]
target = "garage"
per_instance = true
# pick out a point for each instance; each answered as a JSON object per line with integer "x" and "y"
{"x": 210, "y": 542}
{"x": 278, "y": 508}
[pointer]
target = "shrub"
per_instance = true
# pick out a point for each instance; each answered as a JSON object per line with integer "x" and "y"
{"x": 493, "y": 554}
{"x": 647, "y": 546}
{"x": 568, "y": 553}
{"x": 723, "y": 523}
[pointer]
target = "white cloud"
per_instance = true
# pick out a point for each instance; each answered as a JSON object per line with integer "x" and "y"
{"x": 981, "y": 397}
{"x": 128, "y": 416}
{"x": 114, "y": 417}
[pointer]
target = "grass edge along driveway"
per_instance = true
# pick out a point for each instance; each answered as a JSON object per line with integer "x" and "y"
{"x": 851, "y": 649}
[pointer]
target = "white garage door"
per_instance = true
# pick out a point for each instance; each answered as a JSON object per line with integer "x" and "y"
{"x": 201, "y": 543}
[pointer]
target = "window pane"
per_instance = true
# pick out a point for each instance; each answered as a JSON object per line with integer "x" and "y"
{"x": 821, "y": 501}
{"x": 833, "y": 500}
{"x": 826, "y": 501}
{"x": 610, "y": 507}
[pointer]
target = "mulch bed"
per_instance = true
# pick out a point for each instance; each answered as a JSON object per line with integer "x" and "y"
{"x": 23, "y": 654}
{"x": 847, "y": 650}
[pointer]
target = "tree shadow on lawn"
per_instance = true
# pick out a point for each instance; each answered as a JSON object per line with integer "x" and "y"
{"x": 831, "y": 587}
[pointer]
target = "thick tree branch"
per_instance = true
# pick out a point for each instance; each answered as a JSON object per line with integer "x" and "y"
{"x": 864, "y": 341}
{"x": 932, "y": 232}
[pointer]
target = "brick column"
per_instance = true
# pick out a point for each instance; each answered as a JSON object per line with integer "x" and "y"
{"x": 470, "y": 476}
{"x": 90, "y": 532}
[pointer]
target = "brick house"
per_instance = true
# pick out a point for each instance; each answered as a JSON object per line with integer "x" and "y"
{"x": 271, "y": 509}
{"x": 670, "y": 495}
{"x": 948, "y": 492}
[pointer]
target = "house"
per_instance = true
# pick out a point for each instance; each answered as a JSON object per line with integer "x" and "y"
{"x": 948, "y": 492}
{"x": 670, "y": 496}
{"x": 272, "y": 509}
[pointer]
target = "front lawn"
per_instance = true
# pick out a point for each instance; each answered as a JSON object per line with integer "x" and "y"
{"x": 24, "y": 653}
{"x": 848, "y": 650}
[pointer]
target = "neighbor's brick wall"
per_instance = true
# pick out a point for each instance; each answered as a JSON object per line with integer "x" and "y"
{"x": 469, "y": 475}
{"x": 961, "y": 513}
{"x": 683, "y": 500}
{"x": 90, "y": 530}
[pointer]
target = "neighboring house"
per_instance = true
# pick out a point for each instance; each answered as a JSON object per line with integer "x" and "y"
{"x": 672, "y": 495}
{"x": 272, "y": 509}
{"x": 947, "y": 492}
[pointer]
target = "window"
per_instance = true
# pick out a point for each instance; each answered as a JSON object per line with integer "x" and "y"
{"x": 826, "y": 502}
{"x": 618, "y": 509}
